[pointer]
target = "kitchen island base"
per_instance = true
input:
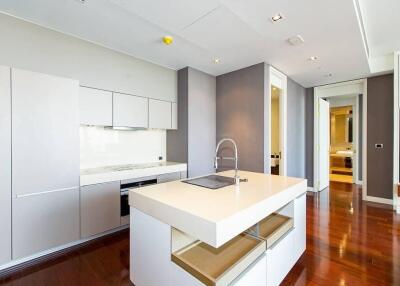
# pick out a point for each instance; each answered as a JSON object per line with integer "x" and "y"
{"x": 160, "y": 256}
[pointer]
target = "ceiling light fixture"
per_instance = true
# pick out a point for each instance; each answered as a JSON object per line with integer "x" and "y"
{"x": 82, "y": 1}
{"x": 328, "y": 75}
{"x": 277, "y": 17}
{"x": 216, "y": 60}
{"x": 312, "y": 59}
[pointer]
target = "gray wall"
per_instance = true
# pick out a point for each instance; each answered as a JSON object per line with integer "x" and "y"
{"x": 202, "y": 118}
{"x": 177, "y": 140}
{"x": 360, "y": 135}
{"x": 241, "y": 116}
{"x": 194, "y": 141}
{"x": 309, "y": 119}
{"x": 296, "y": 128}
{"x": 380, "y": 130}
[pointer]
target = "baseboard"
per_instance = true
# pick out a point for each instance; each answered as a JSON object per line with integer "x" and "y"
{"x": 379, "y": 200}
{"x": 26, "y": 262}
{"x": 310, "y": 189}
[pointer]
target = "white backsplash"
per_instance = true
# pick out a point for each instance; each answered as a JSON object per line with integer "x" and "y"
{"x": 104, "y": 147}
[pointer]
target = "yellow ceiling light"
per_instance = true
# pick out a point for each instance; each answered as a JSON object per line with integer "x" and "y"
{"x": 168, "y": 40}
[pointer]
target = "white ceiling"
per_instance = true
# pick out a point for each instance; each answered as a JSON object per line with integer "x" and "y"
{"x": 236, "y": 31}
{"x": 382, "y": 25}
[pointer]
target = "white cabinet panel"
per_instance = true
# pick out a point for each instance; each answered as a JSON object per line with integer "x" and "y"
{"x": 44, "y": 221}
{"x": 174, "y": 116}
{"x": 100, "y": 208}
{"x": 130, "y": 111}
{"x": 45, "y": 132}
{"x": 95, "y": 107}
{"x": 5, "y": 166}
{"x": 279, "y": 259}
{"x": 160, "y": 114}
{"x": 299, "y": 227}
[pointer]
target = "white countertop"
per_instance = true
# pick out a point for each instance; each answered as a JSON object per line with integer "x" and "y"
{"x": 216, "y": 216}
{"x": 129, "y": 171}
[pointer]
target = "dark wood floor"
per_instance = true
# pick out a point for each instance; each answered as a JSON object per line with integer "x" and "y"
{"x": 349, "y": 242}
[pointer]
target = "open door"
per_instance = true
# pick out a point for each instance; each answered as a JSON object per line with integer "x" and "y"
{"x": 323, "y": 144}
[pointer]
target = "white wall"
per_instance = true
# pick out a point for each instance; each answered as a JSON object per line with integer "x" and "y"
{"x": 28, "y": 46}
{"x": 105, "y": 147}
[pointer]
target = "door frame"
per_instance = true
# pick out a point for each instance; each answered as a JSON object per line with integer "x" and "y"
{"x": 341, "y": 89}
{"x": 396, "y": 143}
{"x": 279, "y": 79}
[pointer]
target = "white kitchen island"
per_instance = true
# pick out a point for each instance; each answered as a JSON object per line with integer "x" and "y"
{"x": 183, "y": 234}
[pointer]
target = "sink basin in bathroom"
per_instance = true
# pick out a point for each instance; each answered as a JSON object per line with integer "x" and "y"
{"x": 345, "y": 153}
{"x": 211, "y": 182}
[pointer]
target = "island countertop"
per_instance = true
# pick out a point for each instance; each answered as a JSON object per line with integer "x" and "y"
{"x": 216, "y": 216}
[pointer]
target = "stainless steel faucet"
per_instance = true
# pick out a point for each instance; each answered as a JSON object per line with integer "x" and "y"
{"x": 236, "y": 158}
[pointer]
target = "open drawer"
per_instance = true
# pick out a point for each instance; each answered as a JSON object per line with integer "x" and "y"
{"x": 219, "y": 266}
{"x": 272, "y": 228}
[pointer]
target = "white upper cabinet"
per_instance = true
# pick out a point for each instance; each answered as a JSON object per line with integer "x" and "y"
{"x": 130, "y": 111}
{"x": 95, "y": 107}
{"x": 5, "y": 167}
{"x": 160, "y": 114}
{"x": 174, "y": 115}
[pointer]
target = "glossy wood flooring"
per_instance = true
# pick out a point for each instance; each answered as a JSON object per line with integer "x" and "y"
{"x": 349, "y": 242}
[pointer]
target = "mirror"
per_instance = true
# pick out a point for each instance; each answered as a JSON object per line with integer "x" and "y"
{"x": 341, "y": 125}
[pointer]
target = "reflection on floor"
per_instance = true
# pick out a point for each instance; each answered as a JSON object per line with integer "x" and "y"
{"x": 341, "y": 178}
{"x": 349, "y": 242}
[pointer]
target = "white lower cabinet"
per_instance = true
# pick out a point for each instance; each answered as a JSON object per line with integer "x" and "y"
{"x": 44, "y": 221}
{"x": 299, "y": 227}
{"x": 100, "y": 208}
{"x": 279, "y": 259}
{"x": 255, "y": 275}
{"x": 169, "y": 177}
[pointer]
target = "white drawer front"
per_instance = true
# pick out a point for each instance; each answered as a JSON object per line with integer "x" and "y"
{"x": 255, "y": 275}
{"x": 279, "y": 259}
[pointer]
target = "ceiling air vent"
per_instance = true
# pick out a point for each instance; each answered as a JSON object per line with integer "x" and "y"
{"x": 296, "y": 40}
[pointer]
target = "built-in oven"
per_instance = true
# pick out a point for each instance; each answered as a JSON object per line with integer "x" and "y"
{"x": 127, "y": 185}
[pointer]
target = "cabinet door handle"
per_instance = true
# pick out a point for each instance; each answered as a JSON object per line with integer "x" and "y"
{"x": 46, "y": 192}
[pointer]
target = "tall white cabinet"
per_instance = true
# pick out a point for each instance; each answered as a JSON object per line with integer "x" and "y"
{"x": 45, "y": 162}
{"x": 5, "y": 166}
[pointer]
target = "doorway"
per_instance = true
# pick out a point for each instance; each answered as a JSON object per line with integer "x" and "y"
{"x": 277, "y": 90}
{"x": 275, "y": 130}
{"x": 352, "y": 94}
{"x": 341, "y": 155}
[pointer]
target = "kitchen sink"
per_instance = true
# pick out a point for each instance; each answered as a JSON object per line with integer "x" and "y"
{"x": 211, "y": 181}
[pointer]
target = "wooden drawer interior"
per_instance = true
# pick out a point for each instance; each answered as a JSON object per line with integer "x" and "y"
{"x": 219, "y": 266}
{"x": 272, "y": 228}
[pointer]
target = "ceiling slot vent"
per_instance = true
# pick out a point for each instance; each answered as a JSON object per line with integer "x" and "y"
{"x": 296, "y": 40}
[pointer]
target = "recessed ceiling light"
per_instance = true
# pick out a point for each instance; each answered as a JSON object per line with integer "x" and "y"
{"x": 312, "y": 59}
{"x": 216, "y": 60}
{"x": 82, "y": 1}
{"x": 277, "y": 17}
{"x": 328, "y": 75}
